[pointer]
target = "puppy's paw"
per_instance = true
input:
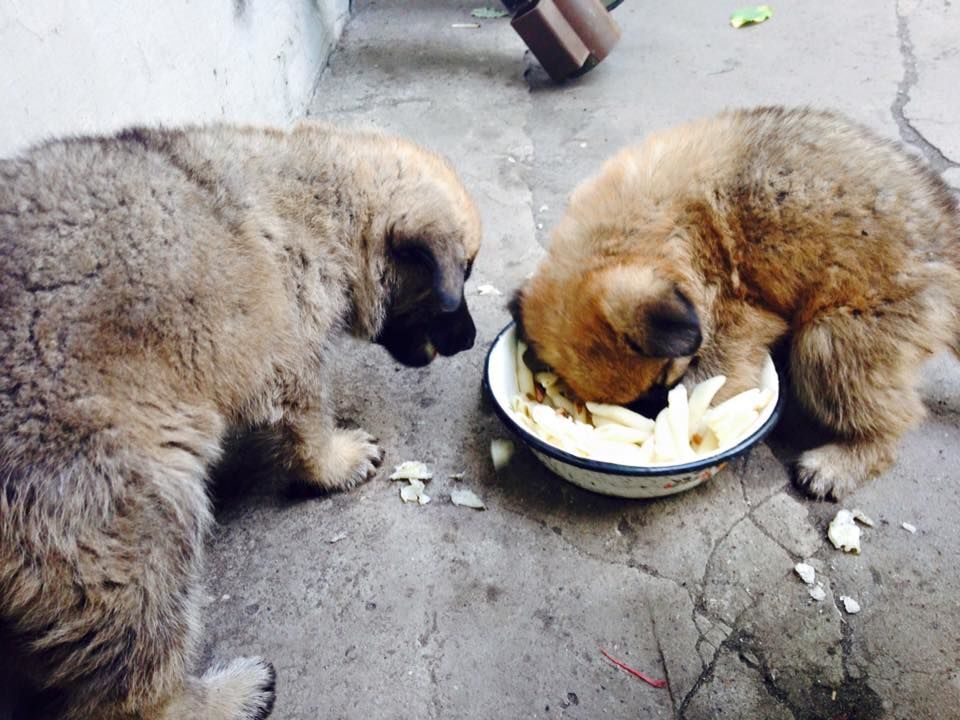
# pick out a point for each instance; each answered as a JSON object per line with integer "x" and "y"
{"x": 243, "y": 689}
{"x": 830, "y": 471}
{"x": 357, "y": 456}
{"x": 351, "y": 457}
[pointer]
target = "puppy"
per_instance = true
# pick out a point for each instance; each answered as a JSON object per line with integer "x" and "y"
{"x": 690, "y": 254}
{"x": 157, "y": 289}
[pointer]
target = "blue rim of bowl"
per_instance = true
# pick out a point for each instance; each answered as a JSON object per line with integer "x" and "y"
{"x": 609, "y": 468}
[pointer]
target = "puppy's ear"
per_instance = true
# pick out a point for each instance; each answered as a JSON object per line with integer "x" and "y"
{"x": 653, "y": 315}
{"x": 443, "y": 258}
{"x": 514, "y": 308}
{"x": 667, "y": 327}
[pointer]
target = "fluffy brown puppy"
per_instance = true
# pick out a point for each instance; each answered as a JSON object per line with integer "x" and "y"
{"x": 158, "y": 288}
{"x": 690, "y": 254}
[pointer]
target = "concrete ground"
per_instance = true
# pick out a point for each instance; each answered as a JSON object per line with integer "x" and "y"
{"x": 371, "y": 609}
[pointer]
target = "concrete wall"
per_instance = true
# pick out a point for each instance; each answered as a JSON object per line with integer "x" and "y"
{"x": 72, "y": 66}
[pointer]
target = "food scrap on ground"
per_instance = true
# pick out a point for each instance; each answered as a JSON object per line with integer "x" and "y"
{"x": 501, "y": 451}
{"x": 806, "y": 572}
{"x": 467, "y": 498}
{"x": 411, "y": 470}
{"x": 414, "y": 492}
{"x": 844, "y": 533}
{"x": 488, "y": 13}
{"x": 337, "y": 538}
{"x": 850, "y": 605}
{"x": 908, "y": 527}
{"x": 636, "y": 673}
{"x": 458, "y": 476}
{"x": 487, "y": 290}
{"x": 817, "y": 592}
{"x": 862, "y": 518}
{"x": 750, "y": 15}
{"x": 415, "y": 473}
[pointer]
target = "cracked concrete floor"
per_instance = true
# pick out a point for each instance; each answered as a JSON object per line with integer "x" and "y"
{"x": 373, "y": 609}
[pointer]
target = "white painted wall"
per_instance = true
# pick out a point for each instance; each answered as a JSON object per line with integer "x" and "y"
{"x": 80, "y": 66}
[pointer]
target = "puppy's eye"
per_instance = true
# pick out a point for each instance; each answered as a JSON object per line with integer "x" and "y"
{"x": 417, "y": 255}
{"x": 633, "y": 346}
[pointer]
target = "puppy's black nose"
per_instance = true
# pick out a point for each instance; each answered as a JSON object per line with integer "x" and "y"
{"x": 453, "y": 332}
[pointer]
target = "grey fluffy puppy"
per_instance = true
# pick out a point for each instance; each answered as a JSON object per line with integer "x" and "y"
{"x": 158, "y": 289}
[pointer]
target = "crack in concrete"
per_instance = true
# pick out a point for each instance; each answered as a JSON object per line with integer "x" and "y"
{"x": 631, "y": 564}
{"x": 908, "y": 133}
{"x": 778, "y": 694}
{"x": 707, "y": 673}
{"x": 763, "y": 531}
{"x": 663, "y": 662}
{"x": 735, "y": 637}
{"x": 858, "y": 698}
{"x": 701, "y": 603}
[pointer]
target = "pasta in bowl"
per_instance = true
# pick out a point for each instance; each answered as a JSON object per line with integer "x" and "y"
{"x": 614, "y": 451}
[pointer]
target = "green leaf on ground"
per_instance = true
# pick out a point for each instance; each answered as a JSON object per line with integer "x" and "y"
{"x": 751, "y": 15}
{"x": 488, "y": 13}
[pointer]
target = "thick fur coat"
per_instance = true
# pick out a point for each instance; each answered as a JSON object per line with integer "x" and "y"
{"x": 691, "y": 254}
{"x": 158, "y": 288}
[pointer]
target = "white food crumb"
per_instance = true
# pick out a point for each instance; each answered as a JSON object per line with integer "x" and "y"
{"x": 806, "y": 572}
{"x": 844, "y": 533}
{"x": 337, "y": 538}
{"x": 467, "y": 498}
{"x": 908, "y": 527}
{"x": 501, "y": 451}
{"x": 850, "y": 605}
{"x": 817, "y": 592}
{"x": 861, "y": 517}
{"x": 583, "y": 144}
{"x": 543, "y": 208}
{"x": 488, "y": 290}
{"x": 224, "y": 598}
{"x": 414, "y": 492}
{"x": 457, "y": 475}
{"x": 411, "y": 470}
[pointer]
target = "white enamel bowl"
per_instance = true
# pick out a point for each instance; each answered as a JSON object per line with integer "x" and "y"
{"x": 630, "y": 481}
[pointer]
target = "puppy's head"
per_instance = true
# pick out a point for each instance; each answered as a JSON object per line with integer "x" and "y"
{"x": 431, "y": 242}
{"x": 615, "y": 332}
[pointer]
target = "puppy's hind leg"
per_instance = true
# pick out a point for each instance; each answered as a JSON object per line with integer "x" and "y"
{"x": 856, "y": 373}
{"x": 242, "y": 689}
{"x": 111, "y": 612}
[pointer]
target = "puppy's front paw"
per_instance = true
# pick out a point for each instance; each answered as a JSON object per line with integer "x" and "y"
{"x": 837, "y": 469}
{"x": 829, "y": 471}
{"x": 351, "y": 457}
{"x": 354, "y": 457}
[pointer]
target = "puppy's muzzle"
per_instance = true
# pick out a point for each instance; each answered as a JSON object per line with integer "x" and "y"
{"x": 453, "y": 332}
{"x": 416, "y": 342}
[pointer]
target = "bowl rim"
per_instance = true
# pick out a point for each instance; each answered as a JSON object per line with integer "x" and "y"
{"x": 609, "y": 468}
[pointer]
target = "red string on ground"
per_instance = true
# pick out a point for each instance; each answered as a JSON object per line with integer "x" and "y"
{"x": 636, "y": 673}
